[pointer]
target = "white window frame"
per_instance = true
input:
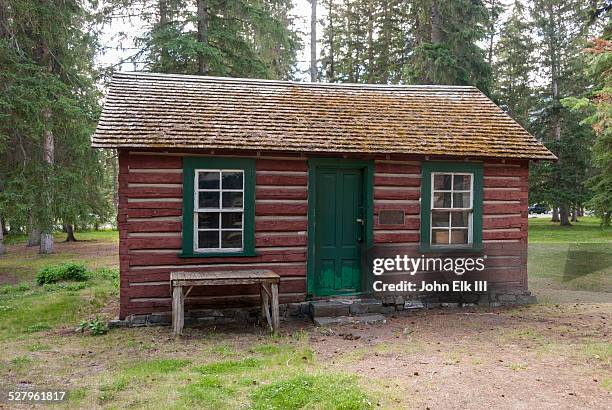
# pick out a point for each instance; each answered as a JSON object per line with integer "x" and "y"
{"x": 220, "y": 210}
{"x": 450, "y": 210}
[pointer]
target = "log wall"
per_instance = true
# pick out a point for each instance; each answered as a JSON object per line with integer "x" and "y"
{"x": 150, "y": 210}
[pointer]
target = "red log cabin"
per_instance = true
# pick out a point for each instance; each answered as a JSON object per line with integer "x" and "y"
{"x": 313, "y": 182}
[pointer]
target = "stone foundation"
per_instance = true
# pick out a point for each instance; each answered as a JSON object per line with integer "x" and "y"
{"x": 390, "y": 305}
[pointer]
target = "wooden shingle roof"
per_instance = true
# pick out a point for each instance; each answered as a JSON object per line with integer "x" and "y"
{"x": 177, "y": 111}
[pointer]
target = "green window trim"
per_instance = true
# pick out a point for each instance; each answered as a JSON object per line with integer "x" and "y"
{"x": 430, "y": 167}
{"x": 190, "y": 165}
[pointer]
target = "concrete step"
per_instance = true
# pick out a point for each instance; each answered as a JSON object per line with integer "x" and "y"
{"x": 344, "y": 320}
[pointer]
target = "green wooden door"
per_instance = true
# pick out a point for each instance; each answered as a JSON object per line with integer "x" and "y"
{"x": 338, "y": 231}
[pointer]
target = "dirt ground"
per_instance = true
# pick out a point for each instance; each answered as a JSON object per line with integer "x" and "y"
{"x": 535, "y": 357}
{"x": 531, "y": 358}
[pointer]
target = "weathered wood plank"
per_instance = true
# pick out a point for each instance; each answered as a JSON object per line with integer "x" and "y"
{"x": 407, "y": 194}
{"x": 156, "y": 161}
{"x": 280, "y": 193}
{"x": 282, "y": 180}
{"x": 396, "y": 168}
{"x": 280, "y": 209}
{"x": 404, "y": 181}
{"x": 280, "y": 225}
{"x": 154, "y": 226}
{"x": 154, "y": 192}
{"x": 155, "y": 177}
{"x": 281, "y": 165}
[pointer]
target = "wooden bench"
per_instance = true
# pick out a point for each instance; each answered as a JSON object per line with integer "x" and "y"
{"x": 267, "y": 280}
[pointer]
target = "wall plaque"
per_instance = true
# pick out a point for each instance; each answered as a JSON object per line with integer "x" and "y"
{"x": 390, "y": 217}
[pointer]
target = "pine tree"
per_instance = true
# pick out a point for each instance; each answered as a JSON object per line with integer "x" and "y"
{"x": 560, "y": 26}
{"x": 234, "y": 38}
{"x": 515, "y": 66}
{"x": 365, "y": 41}
{"x": 597, "y": 104}
{"x": 446, "y": 36}
{"x": 48, "y": 108}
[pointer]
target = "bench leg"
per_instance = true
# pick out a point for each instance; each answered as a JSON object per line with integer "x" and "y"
{"x": 265, "y": 306}
{"x": 178, "y": 310}
{"x": 275, "y": 310}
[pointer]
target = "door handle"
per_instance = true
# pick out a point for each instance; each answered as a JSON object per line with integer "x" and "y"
{"x": 361, "y": 230}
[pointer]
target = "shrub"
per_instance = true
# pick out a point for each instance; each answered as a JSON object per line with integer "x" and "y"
{"x": 65, "y": 271}
{"x": 109, "y": 274}
{"x": 96, "y": 326}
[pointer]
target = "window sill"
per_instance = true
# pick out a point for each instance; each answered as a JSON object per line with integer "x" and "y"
{"x": 217, "y": 254}
{"x": 450, "y": 249}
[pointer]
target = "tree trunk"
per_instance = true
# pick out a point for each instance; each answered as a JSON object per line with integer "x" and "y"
{"x": 46, "y": 234}
{"x": 491, "y": 34}
{"x": 436, "y": 23}
{"x": 331, "y": 75}
{"x": 34, "y": 237}
{"x": 3, "y": 227}
{"x": 564, "y": 216}
{"x": 163, "y": 22}
{"x": 349, "y": 44}
{"x": 556, "y": 115}
{"x": 2, "y": 247}
{"x": 555, "y": 214}
{"x": 70, "y": 233}
{"x": 574, "y": 214}
{"x": 313, "y": 41}
{"x": 202, "y": 35}
{"x": 370, "y": 42}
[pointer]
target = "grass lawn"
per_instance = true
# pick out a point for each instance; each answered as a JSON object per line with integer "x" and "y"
{"x": 553, "y": 354}
{"x": 586, "y": 230}
{"x": 564, "y": 261}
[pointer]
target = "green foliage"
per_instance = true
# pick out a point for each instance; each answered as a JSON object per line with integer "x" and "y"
{"x": 241, "y": 38}
{"x": 560, "y": 29}
{"x": 65, "y": 271}
{"x": 514, "y": 66}
{"x": 446, "y": 47}
{"x": 47, "y": 87}
{"x": 597, "y": 107}
{"x": 228, "y": 366}
{"x": 311, "y": 391}
{"x": 96, "y": 327}
{"x": 70, "y": 287}
{"x": 394, "y": 42}
{"x": 109, "y": 274}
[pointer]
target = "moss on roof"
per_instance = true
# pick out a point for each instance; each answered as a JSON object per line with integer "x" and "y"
{"x": 176, "y": 111}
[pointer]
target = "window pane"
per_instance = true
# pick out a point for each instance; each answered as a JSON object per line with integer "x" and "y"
{"x": 460, "y": 219}
{"x": 462, "y": 183}
{"x": 461, "y": 200}
{"x": 232, "y": 180}
{"x": 208, "y": 220}
{"x": 231, "y": 220}
{"x": 232, "y": 199}
{"x": 459, "y": 236}
{"x": 208, "y": 200}
{"x": 442, "y": 182}
{"x": 208, "y": 180}
{"x": 231, "y": 239}
{"x": 439, "y": 219}
{"x": 442, "y": 200}
{"x": 439, "y": 237}
{"x": 208, "y": 239}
